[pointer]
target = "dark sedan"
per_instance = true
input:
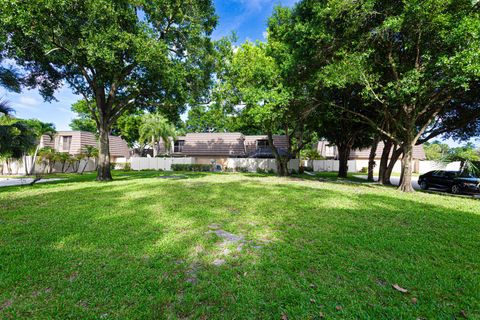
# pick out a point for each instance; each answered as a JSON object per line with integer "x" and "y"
{"x": 454, "y": 181}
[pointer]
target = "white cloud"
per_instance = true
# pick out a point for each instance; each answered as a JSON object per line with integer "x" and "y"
{"x": 253, "y": 5}
{"x": 28, "y": 101}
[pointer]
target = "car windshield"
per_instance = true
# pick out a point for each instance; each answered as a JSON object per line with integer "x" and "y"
{"x": 468, "y": 175}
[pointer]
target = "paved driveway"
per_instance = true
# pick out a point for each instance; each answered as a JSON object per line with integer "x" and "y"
{"x": 7, "y": 182}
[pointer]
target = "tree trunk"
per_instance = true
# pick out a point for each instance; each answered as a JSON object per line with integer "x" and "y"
{"x": 387, "y": 147}
{"x": 406, "y": 178}
{"x": 25, "y": 164}
{"x": 371, "y": 159}
{"x": 103, "y": 169}
{"x": 9, "y": 168}
{"x": 388, "y": 172}
{"x": 343, "y": 155}
{"x": 154, "y": 147}
{"x": 282, "y": 166}
{"x": 282, "y": 162}
{"x": 85, "y": 165}
{"x": 34, "y": 160}
{"x": 51, "y": 165}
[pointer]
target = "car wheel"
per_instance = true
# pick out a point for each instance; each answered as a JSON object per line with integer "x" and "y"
{"x": 424, "y": 185}
{"x": 456, "y": 189}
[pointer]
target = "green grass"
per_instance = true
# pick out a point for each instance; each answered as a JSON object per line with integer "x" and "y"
{"x": 143, "y": 247}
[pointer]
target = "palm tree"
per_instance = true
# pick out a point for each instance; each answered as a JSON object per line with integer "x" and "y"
{"x": 155, "y": 128}
{"x": 468, "y": 157}
{"x": 90, "y": 152}
{"x": 47, "y": 156}
{"x": 5, "y": 107}
{"x": 40, "y": 129}
{"x": 16, "y": 138}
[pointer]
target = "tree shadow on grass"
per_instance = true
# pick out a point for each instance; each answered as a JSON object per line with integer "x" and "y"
{"x": 127, "y": 250}
{"x": 118, "y": 175}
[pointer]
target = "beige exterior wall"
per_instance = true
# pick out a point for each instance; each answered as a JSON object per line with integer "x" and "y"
{"x": 80, "y": 139}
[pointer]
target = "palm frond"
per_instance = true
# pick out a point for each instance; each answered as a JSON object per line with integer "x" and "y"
{"x": 5, "y": 108}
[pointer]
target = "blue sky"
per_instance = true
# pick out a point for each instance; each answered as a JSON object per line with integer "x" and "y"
{"x": 247, "y": 18}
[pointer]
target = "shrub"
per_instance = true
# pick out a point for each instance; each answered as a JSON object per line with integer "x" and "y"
{"x": 364, "y": 170}
{"x": 127, "y": 166}
{"x": 192, "y": 167}
{"x": 261, "y": 170}
{"x": 309, "y": 169}
{"x": 113, "y": 165}
{"x": 311, "y": 154}
{"x": 271, "y": 171}
{"x": 241, "y": 169}
{"x": 293, "y": 171}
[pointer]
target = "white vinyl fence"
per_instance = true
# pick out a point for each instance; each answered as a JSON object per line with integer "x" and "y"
{"x": 142, "y": 163}
{"x": 17, "y": 167}
{"x": 252, "y": 164}
{"x": 357, "y": 165}
{"x": 426, "y": 166}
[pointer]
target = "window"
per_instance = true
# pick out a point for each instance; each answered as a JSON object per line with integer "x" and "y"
{"x": 66, "y": 143}
{"x": 438, "y": 174}
{"x": 450, "y": 174}
{"x": 178, "y": 145}
{"x": 262, "y": 144}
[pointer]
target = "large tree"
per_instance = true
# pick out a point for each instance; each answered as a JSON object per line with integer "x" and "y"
{"x": 257, "y": 83}
{"x": 417, "y": 61}
{"x": 116, "y": 54}
{"x": 339, "y": 127}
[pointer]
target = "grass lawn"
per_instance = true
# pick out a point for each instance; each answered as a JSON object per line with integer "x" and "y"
{"x": 235, "y": 246}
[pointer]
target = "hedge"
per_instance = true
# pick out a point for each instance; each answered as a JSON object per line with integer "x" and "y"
{"x": 192, "y": 167}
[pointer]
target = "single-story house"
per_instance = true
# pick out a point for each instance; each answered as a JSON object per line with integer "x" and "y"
{"x": 74, "y": 143}
{"x": 218, "y": 147}
{"x": 329, "y": 151}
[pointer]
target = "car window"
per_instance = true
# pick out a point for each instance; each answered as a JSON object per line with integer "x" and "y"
{"x": 450, "y": 174}
{"x": 437, "y": 174}
{"x": 468, "y": 175}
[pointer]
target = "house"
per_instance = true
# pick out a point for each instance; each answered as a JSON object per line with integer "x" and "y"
{"x": 74, "y": 143}
{"x": 329, "y": 151}
{"x": 218, "y": 147}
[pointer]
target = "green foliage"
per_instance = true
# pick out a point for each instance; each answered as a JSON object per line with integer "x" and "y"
{"x": 468, "y": 156}
{"x": 119, "y": 55}
{"x": 5, "y": 108}
{"x": 241, "y": 169}
{"x": 311, "y": 154}
{"x": 435, "y": 150}
{"x": 192, "y": 167}
{"x": 90, "y": 151}
{"x": 84, "y": 120}
{"x": 212, "y": 118}
{"x": 127, "y": 125}
{"x": 261, "y": 170}
{"x": 155, "y": 128}
{"x": 127, "y": 166}
{"x": 17, "y": 138}
{"x": 411, "y": 72}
